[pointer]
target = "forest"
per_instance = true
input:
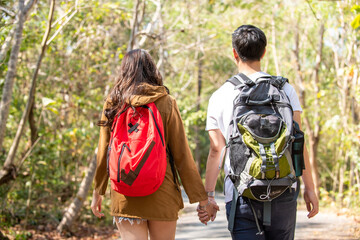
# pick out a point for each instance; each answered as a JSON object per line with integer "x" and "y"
{"x": 59, "y": 60}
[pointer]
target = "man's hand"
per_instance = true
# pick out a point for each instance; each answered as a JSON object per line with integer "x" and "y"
{"x": 213, "y": 208}
{"x": 96, "y": 204}
{"x": 312, "y": 203}
{"x": 209, "y": 212}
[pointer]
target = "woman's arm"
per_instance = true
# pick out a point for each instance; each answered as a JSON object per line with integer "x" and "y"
{"x": 183, "y": 159}
{"x": 101, "y": 176}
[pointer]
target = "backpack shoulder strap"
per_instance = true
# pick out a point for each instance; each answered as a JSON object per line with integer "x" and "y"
{"x": 278, "y": 81}
{"x": 234, "y": 81}
{"x": 241, "y": 79}
{"x": 245, "y": 79}
{"x": 172, "y": 165}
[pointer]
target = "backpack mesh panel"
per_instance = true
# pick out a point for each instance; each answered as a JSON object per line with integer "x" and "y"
{"x": 239, "y": 154}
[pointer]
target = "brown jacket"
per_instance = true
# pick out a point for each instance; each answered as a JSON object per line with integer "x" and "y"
{"x": 164, "y": 204}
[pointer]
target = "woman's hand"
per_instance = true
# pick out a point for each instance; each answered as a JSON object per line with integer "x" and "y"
{"x": 96, "y": 204}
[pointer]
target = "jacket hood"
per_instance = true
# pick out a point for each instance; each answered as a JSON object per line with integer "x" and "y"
{"x": 149, "y": 94}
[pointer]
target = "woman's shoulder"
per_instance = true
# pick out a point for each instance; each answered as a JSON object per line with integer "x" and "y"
{"x": 166, "y": 103}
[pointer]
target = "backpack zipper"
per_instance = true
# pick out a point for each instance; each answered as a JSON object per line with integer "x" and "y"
{"x": 121, "y": 154}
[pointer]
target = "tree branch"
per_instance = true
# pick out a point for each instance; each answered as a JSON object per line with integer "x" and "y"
{"x": 61, "y": 27}
{"x": 6, "y": 45}
{"x": 318, "y": 62}
{"x": 149, "y": 28}
{"x": 8, "y": 12}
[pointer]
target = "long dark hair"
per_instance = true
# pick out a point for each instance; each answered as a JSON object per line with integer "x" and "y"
{"x": 137, "y": 67}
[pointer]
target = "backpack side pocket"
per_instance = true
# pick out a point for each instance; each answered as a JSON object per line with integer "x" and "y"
{"x": 297, "y": 153}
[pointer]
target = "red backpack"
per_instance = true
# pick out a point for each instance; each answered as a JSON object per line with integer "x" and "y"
{"x": 136, "y": 157}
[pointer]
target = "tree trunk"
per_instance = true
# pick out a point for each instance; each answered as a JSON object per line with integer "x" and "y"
{"x": 357, "y": 182}
{"x": 273, "y": 44}
{"x": 317, "y": 127}
{"x": 75, "y": 207}
{"x": 335, "y": 182}
{"x": 162, "y": 41}
{"x": 12, "y": 152}
{"x": 11, "y": 73}
{"x": 32, "y": 124}
{"x": 134, "y": 27}
{"x": 7, "y": 43}
{"x": 313, "y": 146}
{"x": 313, "y": 133}
{"x": 341, "y": 183}
{"x": 8, "y": 40}
{"x": 12, "y": 64}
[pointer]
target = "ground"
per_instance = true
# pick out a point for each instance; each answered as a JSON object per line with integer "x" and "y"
{"x": 329, "y": 224}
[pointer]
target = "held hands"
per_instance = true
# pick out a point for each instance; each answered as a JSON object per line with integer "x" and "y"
{"x": 96, "y": 204}
{"x": 207, "y": 211}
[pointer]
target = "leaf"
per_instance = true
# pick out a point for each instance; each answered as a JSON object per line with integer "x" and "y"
{"x": 356, "y": 22}
{"x": 54, "y": 110}
{"x": 355, "y": 8}
{"x": 47, "y": 101}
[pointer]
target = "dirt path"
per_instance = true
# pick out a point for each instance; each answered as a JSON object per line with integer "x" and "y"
{"x": 325, "y": 226}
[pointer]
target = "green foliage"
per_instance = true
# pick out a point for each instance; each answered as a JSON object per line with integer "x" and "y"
{"x": 81, "y": 63}
{"x": 356, "y": 22}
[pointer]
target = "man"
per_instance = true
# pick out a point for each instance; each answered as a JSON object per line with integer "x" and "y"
{"x": 249, "y": 47}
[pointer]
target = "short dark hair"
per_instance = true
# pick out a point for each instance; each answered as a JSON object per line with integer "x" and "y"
{"x": 249, "y": 42}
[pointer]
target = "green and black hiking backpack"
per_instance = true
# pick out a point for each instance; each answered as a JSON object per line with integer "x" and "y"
{"x": 263, "y": 136}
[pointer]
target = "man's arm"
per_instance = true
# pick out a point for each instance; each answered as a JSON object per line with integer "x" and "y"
{"x": 311, "y": 200}
{"x": 217, "y": 143}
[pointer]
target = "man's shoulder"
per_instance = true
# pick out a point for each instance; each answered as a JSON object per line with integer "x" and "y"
{"x": 289, "y": 89}
{"x": 225, "y": 88}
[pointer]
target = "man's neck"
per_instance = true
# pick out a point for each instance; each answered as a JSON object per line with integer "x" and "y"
{"x": 249, "y": 68}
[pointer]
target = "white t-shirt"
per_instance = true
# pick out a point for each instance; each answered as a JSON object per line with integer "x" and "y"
{"x": 219, "y": 115}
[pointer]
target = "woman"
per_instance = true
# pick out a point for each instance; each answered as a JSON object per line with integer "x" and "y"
{"x": 140, "y": 83}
